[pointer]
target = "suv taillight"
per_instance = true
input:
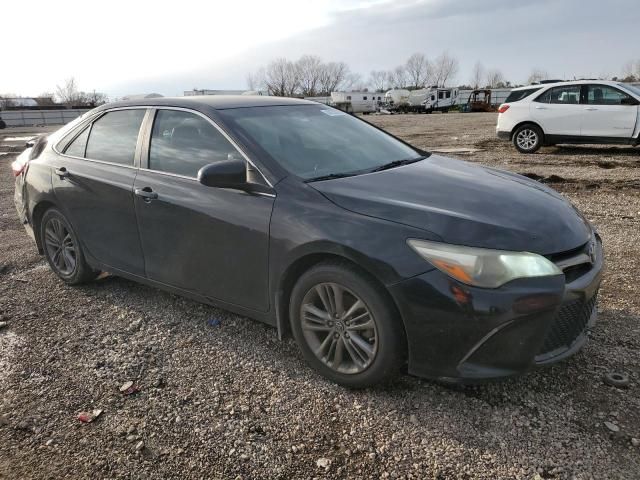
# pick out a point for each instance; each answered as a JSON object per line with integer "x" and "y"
{"x": 19, "y": 164}
{"x": 503, "y": 108}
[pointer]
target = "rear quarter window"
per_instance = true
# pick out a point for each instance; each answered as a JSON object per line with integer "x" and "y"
{"x": 517, "y": 95}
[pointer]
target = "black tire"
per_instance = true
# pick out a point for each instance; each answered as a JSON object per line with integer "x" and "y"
{"x": 381, "y": 331}
{"x": 69, "y": 263}
{"x": 528, "y": 138}
{"x": 2, "y": 124}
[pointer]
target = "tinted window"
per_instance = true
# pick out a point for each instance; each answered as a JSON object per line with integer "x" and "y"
{"x": 606, "y": 95}
{"x": 313, "y": 141}
{"x": 182, "y": 143}
{"x": 517, "y": 95}
{"x": 114, "y": 136}
{"x": 568, "y": 95}
{"x": 77, "y": 147}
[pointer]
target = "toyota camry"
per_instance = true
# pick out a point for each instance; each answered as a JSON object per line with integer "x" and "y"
{"x": 375, "y": 255}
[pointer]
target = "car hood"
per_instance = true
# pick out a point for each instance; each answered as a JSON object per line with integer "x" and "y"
{"x": 465, "y": 204}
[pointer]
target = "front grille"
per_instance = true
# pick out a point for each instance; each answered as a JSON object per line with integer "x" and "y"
{"x": 570, "y": 322}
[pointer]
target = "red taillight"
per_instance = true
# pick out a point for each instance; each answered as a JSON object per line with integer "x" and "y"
{"x": 19, "y": 165}
{"x": 503, "y": 108}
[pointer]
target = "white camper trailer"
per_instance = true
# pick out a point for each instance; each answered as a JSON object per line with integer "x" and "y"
{"x": 424, "y": 100}
{"x": 397, "y": 98}
{"x": 357, "y": 102}
{"x": 440, "y": 99}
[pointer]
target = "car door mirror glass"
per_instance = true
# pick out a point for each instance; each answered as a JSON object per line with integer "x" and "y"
{"x": 231, "y": 173}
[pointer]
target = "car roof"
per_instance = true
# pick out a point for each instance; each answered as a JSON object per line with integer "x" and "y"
{"x": 216, "y": 102}
{"x": 567, "y": 83}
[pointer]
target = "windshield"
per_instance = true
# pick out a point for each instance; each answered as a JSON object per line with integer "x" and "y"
{"x": 315, "y": 141}
{"x": 635, "y": 89}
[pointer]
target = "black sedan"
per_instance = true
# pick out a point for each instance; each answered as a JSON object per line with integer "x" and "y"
{"x": 375, "y": 255}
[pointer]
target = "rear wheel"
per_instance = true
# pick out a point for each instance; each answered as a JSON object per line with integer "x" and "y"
{"x": 528, "y": 138}
{"x": 62, "y": 249}
{"x": 346, "y": 327}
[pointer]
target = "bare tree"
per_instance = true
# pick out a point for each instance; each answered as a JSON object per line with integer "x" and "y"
{"x": 477, "y": 75}
{"x": 333, "y": 77}
{"x": 494, "y": 78}
{"x": 537, "y": 74}
{"x": 93, "y": 98}
{"x": 255, "y": 81}
{"x": 68, "y": 93}
{"x": 281, "y": 78}
{"x": 309, "y": 70}
{"x": 378, "y": 80}
{"x": 398, "y": 76}
{"x": 631, "y": 71}
{"x": 418, "y": 70}
{"x": 445, "y": 68}
{"x": 354, "y": 82}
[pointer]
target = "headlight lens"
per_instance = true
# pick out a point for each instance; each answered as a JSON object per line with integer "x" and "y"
{"x": 483, "y": 267}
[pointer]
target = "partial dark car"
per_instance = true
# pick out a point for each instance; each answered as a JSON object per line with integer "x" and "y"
{"x": 374, "y": 254}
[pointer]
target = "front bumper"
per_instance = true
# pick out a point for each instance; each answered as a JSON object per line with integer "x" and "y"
{"x": 464, "y": 334}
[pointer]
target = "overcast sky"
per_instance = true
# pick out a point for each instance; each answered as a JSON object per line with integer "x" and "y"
{"x": 120, "y": 47}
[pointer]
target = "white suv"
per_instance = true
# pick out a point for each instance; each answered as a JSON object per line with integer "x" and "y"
{"x": 585, "y": 111}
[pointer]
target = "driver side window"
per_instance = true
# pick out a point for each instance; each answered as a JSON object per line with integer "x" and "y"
{"x": 182, "y": 143}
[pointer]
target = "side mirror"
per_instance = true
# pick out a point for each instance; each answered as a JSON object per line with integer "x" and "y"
{"x": 224, "y": 174}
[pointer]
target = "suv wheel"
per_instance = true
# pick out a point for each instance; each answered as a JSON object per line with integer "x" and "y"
{"x": 346, "y": 327}
{"x": 62, "y": 249}
{"x": 527, "y": 139}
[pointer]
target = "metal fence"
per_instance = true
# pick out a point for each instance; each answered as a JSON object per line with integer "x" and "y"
{"x": 32, "y": 118}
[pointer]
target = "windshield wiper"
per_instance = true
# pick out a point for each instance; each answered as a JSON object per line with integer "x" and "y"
{"x": 330, "y": 176}
{"x": 397, "y": 163}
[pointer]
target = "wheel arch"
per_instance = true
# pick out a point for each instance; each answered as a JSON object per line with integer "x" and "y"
{"x": 304, "y": 263}
{"x": 527, "y": 122}
{"x": 36, "y": 217}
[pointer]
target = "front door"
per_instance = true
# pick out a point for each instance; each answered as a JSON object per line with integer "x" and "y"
{"x": 93, "y": 181}
{"x": 207, "y": 240}
{"x": 608, "y": 112}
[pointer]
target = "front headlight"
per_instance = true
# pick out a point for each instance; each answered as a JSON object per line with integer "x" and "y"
{"x": 483, "y": 267}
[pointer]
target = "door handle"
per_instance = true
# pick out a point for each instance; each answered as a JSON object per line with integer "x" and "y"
{"x": 591, "y": 109}
{"x": 61, "y": 172}
{"x": 146, "y": 193}
{"x": 541, "y": 108}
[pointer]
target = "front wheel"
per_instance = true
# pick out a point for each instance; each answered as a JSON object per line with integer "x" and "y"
{"x": 346, "y": 327}
{"x": 527, "y": 139}
{"x": 62, "y": 249}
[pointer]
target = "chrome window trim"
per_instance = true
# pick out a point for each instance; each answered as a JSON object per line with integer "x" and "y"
{"x": 216, "y": 126}
{"x": 91, "y": 120}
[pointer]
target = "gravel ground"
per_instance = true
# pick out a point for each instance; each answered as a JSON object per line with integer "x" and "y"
{"x": 231, "y": 401}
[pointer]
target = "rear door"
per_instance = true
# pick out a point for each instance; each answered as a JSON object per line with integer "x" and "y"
{"x": 93, "y": 182}
{"x": 558, "y": 111}
{"x": 206, "y": 240}
{"x": 608, "y": 112}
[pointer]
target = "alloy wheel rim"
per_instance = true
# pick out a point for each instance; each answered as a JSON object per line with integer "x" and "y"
{"x": 339, "y": 328}
{"x": 527, "y": 139}
{"x": 60, "y": 247}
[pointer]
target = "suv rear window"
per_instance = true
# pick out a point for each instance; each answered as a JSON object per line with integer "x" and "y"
{"x": 517, "y": 95}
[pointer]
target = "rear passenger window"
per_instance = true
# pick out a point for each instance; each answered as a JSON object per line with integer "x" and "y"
{"x": 114, "y": 136}
{"x": 182, "y": 143}
{"x": 78, "y": 146}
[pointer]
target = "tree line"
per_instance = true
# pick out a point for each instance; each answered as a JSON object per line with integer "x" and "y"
{"x": 310, "y": 76}
{"x": 67, "y": 94}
